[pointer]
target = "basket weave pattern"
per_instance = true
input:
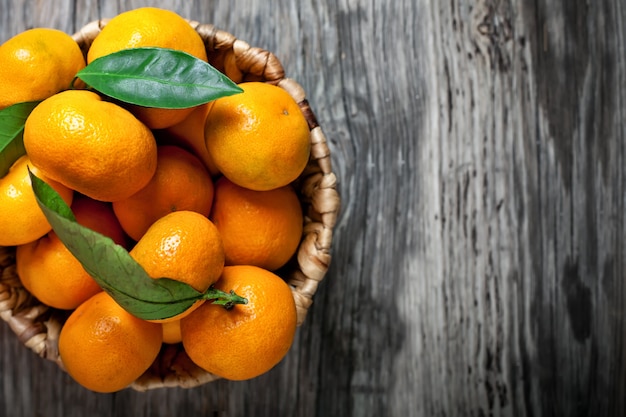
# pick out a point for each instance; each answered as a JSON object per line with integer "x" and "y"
{"x": 38, "y": 326}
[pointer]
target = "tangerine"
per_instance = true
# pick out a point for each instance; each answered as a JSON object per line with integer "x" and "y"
{"x": 184, "y": 246}
{"x": 21, "y": 218}
{"x": 181, "y": 182}
{"x": 149, "y": 27}
{"x": 49, "y": 271}
{"x": 104, "y": 347}
{"x": 259, "y": 139}
{"x": 36, "y": 64}
{"x": 189, "y": 134}
{"x": 249, "y": 339}
{"x": 171, "y": 332}
{"x": 261, "y": 228}
{"x": 92, "y": 146}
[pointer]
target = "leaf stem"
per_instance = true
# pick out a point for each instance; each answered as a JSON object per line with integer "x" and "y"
{"x": 226, "y": 299}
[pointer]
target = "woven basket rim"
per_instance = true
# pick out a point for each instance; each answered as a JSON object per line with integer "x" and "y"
{"x": 38, "y": 326}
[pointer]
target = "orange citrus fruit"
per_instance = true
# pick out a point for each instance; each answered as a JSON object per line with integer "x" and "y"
{"x": 261, "y": 228}
{"x": 36, "y": 64}
{"x": 21, "y": 219}
{"x": 51, "y": 273}
{"x": 181, "y": 182}
{"x": 184, "y": 246}
{"x": 189, "y": 134}
{"x": 248, "y": 339}
{"x": 259, "y": 139}
{"x": 89, "y": 145}
{"x": 99, "y": 216}
{"x": 157, "y": 118}
{"x": 149, "y": 27}
{"x": 104, "y": 347}
{"x": 171, "y": 332}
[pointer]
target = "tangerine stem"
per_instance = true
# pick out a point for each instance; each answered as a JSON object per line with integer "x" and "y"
{"x": 226, "y": 299}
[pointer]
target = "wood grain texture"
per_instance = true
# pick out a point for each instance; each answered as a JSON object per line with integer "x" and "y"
{"x": 478, "y": 263}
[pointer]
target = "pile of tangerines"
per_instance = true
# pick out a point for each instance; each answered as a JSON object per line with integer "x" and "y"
{"x": 201, "y": 195}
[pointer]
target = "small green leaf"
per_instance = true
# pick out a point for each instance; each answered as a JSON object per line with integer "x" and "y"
{"x": 12, "y": 120}
{"x": 112, "y": 266}
{"x": 157, "y": 77}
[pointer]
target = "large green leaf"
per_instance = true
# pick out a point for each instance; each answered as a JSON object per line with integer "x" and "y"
{"x": 157, "y": 77}
{"x": 115, "y": 270}
{"x": 12, "y": 120}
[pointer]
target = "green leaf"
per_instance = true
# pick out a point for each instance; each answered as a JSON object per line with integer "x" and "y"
{"x": 157, "y": 77}
{"x": 112, "y": 266}
{"x": 12, "y": 120}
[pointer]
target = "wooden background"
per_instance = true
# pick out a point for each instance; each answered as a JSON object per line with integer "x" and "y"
{"x": 478, "y": 262}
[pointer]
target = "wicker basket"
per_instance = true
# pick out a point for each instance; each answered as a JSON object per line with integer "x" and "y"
{"x": 37, "y": 326}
